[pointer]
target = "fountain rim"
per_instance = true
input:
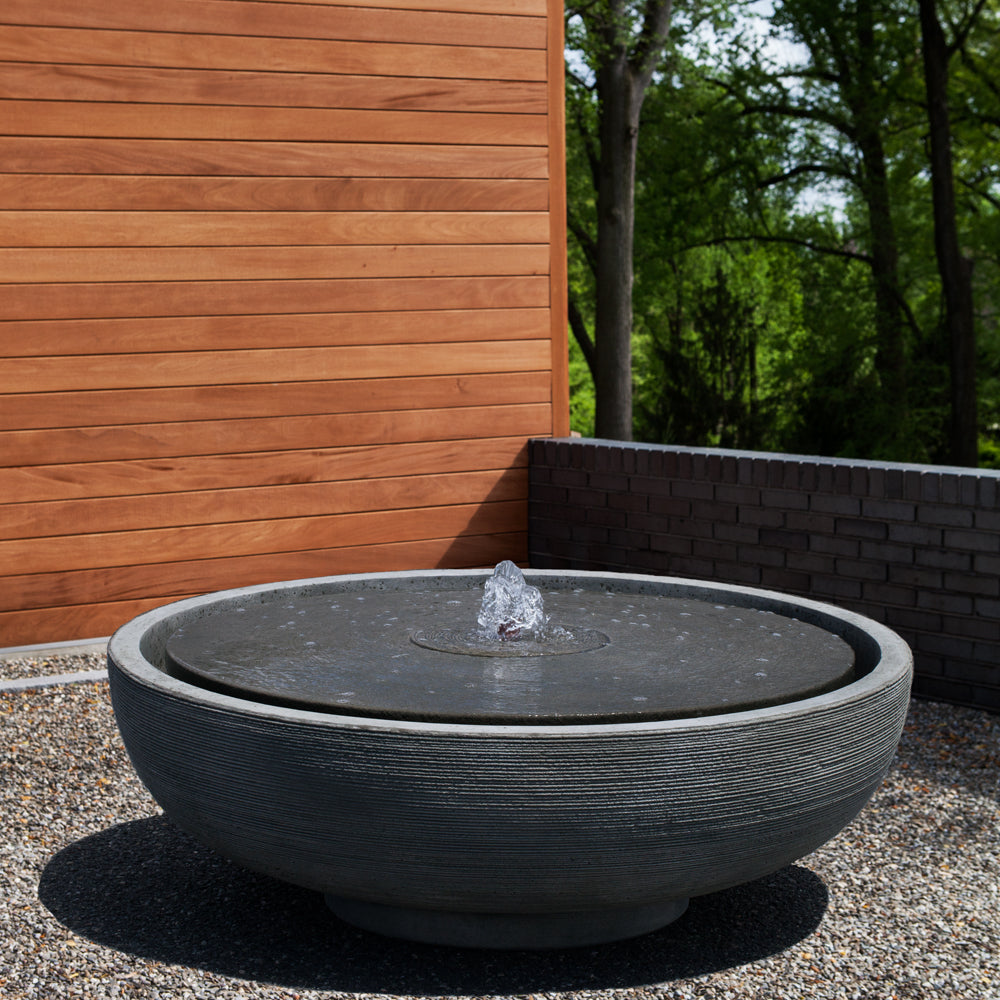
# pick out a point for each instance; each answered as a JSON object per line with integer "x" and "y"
{"x": 894, "y": 661}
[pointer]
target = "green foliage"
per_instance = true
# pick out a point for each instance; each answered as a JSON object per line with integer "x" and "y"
{"x": 771, "y": 184}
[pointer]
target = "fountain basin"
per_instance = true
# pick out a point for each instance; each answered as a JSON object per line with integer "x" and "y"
{"x": 503, "y": 826}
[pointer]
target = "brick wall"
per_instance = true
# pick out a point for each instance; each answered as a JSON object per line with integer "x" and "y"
{"x": 916, "y": 547}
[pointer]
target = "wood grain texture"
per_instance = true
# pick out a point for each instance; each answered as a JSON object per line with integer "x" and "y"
{"x": 276, "y": 293}
{"x": 139, "y": 193}
{"x": 272, "y": 55}
{"x": 47, "y": 338}
{"x": 147, "y": 85}
{"x": 369, "y": 23}
{"x": 142, "y": 477}
{"x": 99, "y": 371}
{"x": 109, "y": 407}
{"x": 325, "y": 158}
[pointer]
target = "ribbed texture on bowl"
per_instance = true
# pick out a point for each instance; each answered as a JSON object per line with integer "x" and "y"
{"x": 514, "y": 819}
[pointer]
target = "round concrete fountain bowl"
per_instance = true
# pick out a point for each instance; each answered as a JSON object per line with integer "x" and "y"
{"x": 497, "y": 821}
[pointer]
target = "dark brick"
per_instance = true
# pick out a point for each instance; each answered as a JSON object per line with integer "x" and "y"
{"x": 627, "y": 501}
{"x": 762, "y": 556}
{"x": 810, "y": 562}
{"x": 939, "y": 558}
{"x": 889, "y": 510}
{"x": 858, "y": 569}
{"x": 914, "y": 534}
{"x": 930, "y": 486}
{"x": 978, "y": 627}
{"x": 969, "y": 583}
{"x": 853, "y": 527}
{"x": 764, "y": 517}
{"x": 987, "y": 491}
{"x": 711, "y": 549}
{"x": 607, "y": 517}
{"x": 798, "y": 520}
{"x": 785, "y": 579}
{"x": 950, "y": 488}
{"x": 669, "y": 506}
{"x": 692, "y": 490}
{"x": 947, "y": 604}
{"x": 685, "y": 566}
{"x": 586, "y": 497}
{"x": 634, "y": 541}
{"x": 899, "y": 616}
{"x": 985, "y": 563}
{"x": 609, "y": 482}
{"x": 674, "y": 544}
{"x": 649, "y": 485}
{"x": 947, "y": 647}
{"x": 785, "y": 499}
{"x": 894, "y": 484}
{"x": 738, "y": 572}
{"x": 975, "y": 541}
{"x": 569, "y": 477}
{"x": 831, "y": 503}
{"x": 887, "y": 552}
{"x": 690, "y": 527}
{"x": 939, "y": 689}
{"x": 987, "y": 520}
{"x": 911, "y": 576}
{"x": 784, "y": 539}
{"x": 834, "y": 546}
{"x": 745, "y": 533}
{"x": 737, "y": 494}
{"x": 588, "y": 533}
{"x": 912, "y": 485}
{"x": 545, "y": 527}
{"x": 955, "y": 517}
{"x": 836, "y": 588}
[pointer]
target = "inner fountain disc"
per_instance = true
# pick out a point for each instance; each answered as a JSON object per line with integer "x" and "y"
{"x": 641, "y": 657}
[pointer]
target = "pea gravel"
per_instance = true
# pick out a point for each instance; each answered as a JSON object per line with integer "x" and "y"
{"x": 101, "y": 897}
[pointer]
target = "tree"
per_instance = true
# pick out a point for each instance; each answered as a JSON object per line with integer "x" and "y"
{"x": 954, "y": 267}
{"x": 622, "y": 44}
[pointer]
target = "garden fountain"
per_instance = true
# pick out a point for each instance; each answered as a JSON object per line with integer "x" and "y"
{"x": 536, "y": 778}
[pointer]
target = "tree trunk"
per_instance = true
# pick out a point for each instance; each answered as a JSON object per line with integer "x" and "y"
{"x": 619, "y": 133}
{"x": 954, "y": 268}
{"x": 890, "y": 322}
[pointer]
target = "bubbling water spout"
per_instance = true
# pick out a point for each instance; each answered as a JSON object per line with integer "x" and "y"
{"x": 511, "y": 607}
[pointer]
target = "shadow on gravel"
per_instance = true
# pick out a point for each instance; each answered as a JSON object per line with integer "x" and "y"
{"x": 147, "y": 889}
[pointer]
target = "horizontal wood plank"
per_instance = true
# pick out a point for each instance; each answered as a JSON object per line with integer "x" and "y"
{"x": 24, "y": 411}
{"x": 128, "y": 192}
{"x": 50, "y": 338}
{"x": 103, "y": 593}
{"x": 56, "y": 265}
{"x": 156, "y": 85}
{"x": 292, "y": 534}
{"x": 254, "y": 229}
{"x": 366, "y": 23}
{"x": 172, "y": 121}
{"x": 321, "y": 159}
{"x": 170, "y": 581}
{"x": 260, "y": 503}
{"x": 109, "y": 371}
{"x": 39, "y": 483}
{"x": 272, "y": 55}
{"x": 256, "y": 435}
{"x": 221, "y": 298}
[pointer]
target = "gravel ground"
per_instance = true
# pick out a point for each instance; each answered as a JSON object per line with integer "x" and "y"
{"x": 101, "y": 897}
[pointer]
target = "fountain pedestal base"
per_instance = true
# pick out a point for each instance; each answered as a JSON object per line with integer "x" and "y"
{"x": 507, "y": 930}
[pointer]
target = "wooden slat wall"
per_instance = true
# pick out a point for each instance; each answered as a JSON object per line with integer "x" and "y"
{"x": 281, "y": 293}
